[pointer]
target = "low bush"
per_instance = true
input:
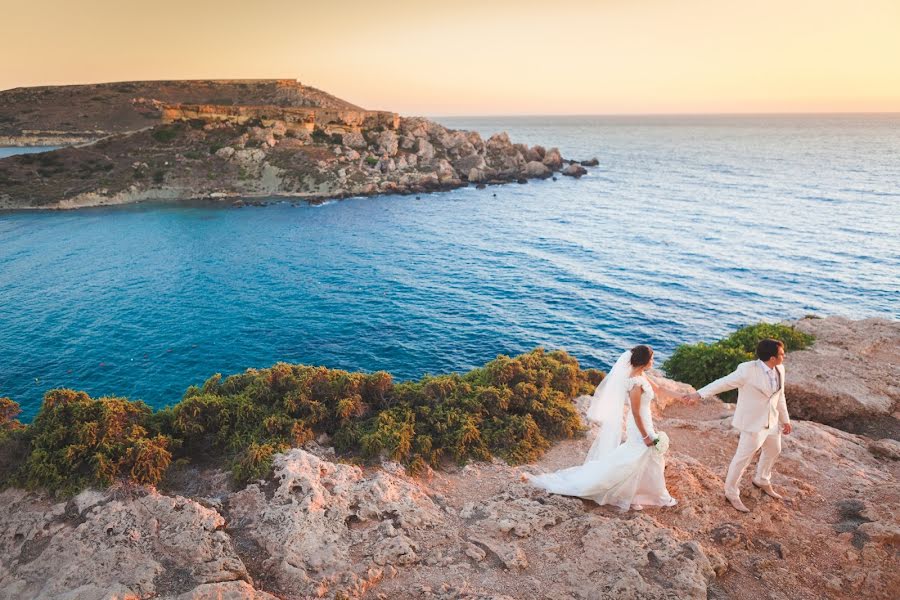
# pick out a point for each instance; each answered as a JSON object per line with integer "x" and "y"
{"x": 512, "y": 407}
{"x": 9, "y": 410}
{"x": 164, "y": 134}
{"x": 76, "y": 441}
{"x": 700, "y": 364}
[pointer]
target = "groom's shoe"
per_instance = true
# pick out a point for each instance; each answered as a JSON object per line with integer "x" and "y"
{"x": 768, "y": 489}
{"x": 736, "y": 503}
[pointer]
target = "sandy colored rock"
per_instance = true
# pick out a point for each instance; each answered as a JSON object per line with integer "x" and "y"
{"x": 231, "y": 590}
{"x": 850, "y": 376}
{"x": 169, "y": 544}
{"x": 536, "y": 168}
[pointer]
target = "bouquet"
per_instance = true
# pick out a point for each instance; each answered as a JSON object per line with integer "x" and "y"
{"x": 661, "y": 442}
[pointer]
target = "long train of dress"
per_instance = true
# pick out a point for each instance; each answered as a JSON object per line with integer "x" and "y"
{"x": 631, "y": 476}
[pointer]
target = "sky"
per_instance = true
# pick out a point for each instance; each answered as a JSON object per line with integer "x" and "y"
{"x": 484, "y": 57}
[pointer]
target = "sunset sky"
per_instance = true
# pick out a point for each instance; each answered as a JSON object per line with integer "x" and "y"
{"x": 482, "y": 57}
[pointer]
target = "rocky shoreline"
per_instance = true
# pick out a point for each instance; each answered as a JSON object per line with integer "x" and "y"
{"x": 306, "y": 148}
{"x": 317, "y": 527}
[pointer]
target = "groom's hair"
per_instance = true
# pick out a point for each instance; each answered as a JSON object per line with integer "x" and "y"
{"x": 640, "y": 355}
{"x": 766, "y": 349}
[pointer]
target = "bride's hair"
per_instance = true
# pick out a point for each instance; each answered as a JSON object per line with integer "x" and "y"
{"x": 640, "y": 355}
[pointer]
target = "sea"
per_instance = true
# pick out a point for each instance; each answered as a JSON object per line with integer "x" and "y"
{"x": 690, "y": 227}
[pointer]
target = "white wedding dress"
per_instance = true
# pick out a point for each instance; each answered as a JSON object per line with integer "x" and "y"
{"x": 630, "y": 473}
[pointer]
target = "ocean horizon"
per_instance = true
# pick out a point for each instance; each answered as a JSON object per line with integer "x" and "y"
{"x": 692, "y": 226}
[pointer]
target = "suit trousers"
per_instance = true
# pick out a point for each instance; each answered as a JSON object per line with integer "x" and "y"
{"x": 751, "y": 441}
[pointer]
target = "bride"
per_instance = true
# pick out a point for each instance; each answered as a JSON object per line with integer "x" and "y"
{"x": 626, "y": 474}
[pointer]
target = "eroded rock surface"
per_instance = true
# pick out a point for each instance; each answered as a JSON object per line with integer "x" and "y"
{"x": 850, "y": 376}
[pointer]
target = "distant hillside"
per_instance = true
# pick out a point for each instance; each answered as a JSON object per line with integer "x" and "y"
{"x": 233, "y": 141}
{"x": 76, "y": 113}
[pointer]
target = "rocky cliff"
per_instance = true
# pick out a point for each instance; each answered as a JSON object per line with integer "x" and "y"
{"x": 850, "y": 377}
{"x": 54, "y": 115}
{"x": 317, "y": 527}
{"x": 264, "y": 152}
{"x": 237, "y": 140}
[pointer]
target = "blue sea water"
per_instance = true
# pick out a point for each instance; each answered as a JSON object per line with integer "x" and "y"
{"x": 690, "y": 227}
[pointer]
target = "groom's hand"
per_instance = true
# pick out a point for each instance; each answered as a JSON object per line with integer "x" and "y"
{"x": 787, "y": 429}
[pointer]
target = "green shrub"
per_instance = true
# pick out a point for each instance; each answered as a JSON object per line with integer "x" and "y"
{"x": 512, "y": 407}
{"x": 700, "y": 364}
{"x": 320, "y": 137}
{"x": 748, "y": 337}
{"x": 77, "y": 441}
{"x": 13, "y": 446}
{"x": 164, "y": 134}
{"x": 9, "y": 410}
{"x": 255, "y": 462}
{"x": 371, "y": 161}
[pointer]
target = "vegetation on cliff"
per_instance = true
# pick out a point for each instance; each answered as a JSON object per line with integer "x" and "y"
{"x": 511, "y": 407}
{"x": 699, "y": 364}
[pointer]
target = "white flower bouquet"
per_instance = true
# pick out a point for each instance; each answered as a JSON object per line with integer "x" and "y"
{"x": 661, "y": 442}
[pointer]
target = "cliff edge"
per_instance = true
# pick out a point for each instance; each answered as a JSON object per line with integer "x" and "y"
{"x": 319, "y": 527}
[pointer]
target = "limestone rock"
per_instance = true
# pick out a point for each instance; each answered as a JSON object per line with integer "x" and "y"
{"x": 388, "y": 143}
{"x": 354, "y": 139}
{"x": 886, "y": 448}
{"x": 250, "y": 155}
{"x": 477, "y": 175}
{"x": 850, "y": 376}
{"x": 574, "y": 170}
{"x": 305, "y": 527}
{"x": 394, "y": 550}
{"x": 467, "y": 163}
{"x": 537, "y": 169}
{"x": 425, "y": 150}
{"x": 226, "y": 152}
{"x": 553, "y": 159}
{"x": 48, "y": 552}
{"x": 230, "y": 590}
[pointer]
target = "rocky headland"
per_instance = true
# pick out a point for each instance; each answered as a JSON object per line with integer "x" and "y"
{"x": 320, "y": 527}
{"x": 234, "y": 142}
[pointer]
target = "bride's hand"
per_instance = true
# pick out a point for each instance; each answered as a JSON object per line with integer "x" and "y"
{"x": 648, "y": 441}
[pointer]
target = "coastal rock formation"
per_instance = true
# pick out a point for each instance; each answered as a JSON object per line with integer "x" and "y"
{"x": 80, "y": 549}
{"x": 313, "y": 150}
{"x": 47, "y": 115}
{"x": 327, "y": 525}
{"x": 850, "y": 376}
{"x": 287, "y": 118}
{"x": 320, "y": 528}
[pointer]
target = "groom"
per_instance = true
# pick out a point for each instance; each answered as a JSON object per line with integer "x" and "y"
{"x": 761, "y": 416}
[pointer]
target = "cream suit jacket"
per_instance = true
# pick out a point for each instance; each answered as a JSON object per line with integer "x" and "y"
{"x": 759, "y": 405}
